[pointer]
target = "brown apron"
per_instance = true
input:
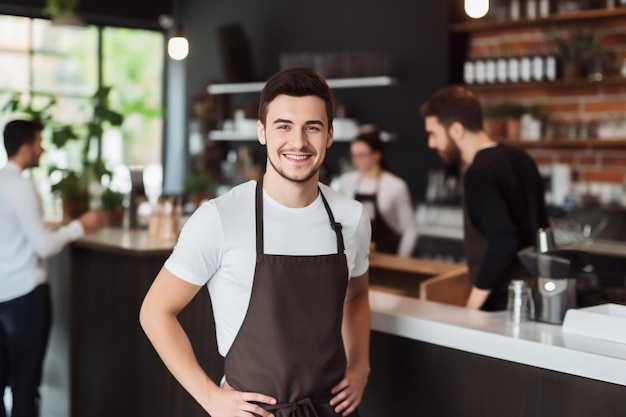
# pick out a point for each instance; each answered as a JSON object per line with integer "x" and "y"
{"x": 385, "y": 238}
{"x": 290, "y": 344}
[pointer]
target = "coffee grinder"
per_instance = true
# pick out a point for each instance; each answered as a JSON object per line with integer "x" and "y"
{"x": 556, "y": 271}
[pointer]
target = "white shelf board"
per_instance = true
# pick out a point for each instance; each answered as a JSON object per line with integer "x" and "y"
{"x": 234, "y": 88}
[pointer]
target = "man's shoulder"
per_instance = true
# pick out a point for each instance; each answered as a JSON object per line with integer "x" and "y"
{"x": 340, "y": 204}
{"x": 237, "y": 195}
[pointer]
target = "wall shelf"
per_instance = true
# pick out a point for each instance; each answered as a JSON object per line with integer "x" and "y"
{"x": 591, "y": 143}
{"x": 561, "y": 84}
{"x": 569, "y": 17}
{"x": 255, "y": 87}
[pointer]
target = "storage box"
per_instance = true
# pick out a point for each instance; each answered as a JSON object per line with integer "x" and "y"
{"x": 604, "y": 321}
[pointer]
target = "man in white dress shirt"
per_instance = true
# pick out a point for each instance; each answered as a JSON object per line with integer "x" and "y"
{"x": 25, "y": 242}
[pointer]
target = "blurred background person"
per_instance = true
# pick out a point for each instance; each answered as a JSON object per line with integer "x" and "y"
{"x": 25, "y": 243}
{"x": 503, "y": 195}
{"x": 385, "y": 196}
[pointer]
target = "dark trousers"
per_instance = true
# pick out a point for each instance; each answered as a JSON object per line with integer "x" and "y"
{"x": 24, "y": 329}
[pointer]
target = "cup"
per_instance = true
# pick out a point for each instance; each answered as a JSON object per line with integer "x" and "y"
{"x": 520, "y": 306}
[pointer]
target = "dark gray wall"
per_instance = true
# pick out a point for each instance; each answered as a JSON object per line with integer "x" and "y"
{"x": 415, "y": 34}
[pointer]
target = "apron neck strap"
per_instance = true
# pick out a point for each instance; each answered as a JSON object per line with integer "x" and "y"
{"x": 259, "y": 220}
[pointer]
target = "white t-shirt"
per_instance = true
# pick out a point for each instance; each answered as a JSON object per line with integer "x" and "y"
{"x": 394, "y": 202}
{"x": 25, "y": 241}
{"x": 217, "y": 246}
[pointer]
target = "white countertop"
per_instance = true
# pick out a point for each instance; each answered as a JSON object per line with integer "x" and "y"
{"x": 492, "y": 334}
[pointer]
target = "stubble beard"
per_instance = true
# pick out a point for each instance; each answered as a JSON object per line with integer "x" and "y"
{"x": 451, "y": 155}
{"x": 299, "y": 181}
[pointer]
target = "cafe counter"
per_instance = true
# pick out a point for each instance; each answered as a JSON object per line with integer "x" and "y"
{"x": 428, "y": 358}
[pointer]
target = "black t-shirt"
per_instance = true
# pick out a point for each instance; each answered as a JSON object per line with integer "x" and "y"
{"x": 504, "y": 199}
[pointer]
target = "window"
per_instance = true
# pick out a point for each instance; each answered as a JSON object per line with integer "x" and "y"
{"x": 42, "y": 61}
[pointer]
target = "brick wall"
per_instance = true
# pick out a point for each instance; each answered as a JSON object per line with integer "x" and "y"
{"x": 600, "y": 173}
{"x": 593, "y": 102}
{"x": 568, "y": 105}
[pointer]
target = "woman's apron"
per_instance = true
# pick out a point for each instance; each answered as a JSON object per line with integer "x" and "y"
{"x": 290, "y": 345}
{"x": 384, "y": 237}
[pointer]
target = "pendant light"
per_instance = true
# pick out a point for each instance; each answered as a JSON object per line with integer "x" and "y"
{"x": 177, "y": 45}
{"x": 476, "y": 8}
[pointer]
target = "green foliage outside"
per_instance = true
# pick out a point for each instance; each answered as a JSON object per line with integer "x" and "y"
{"x": 131, "y": 101}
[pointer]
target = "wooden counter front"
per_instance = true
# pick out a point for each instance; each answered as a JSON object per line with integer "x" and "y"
{"x": 114, "y": 368}
{"x": 424, "y": 279}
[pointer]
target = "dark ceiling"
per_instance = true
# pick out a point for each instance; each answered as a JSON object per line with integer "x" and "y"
{"x": 110, "y": 12}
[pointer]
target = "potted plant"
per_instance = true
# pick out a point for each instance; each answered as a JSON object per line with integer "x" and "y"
{"x": 514, "y": 112}
{"x": 77, "y": 186}
{"x": 575, "y": 49}
{"x": 494, "y": 120}
{"x": 199, "y": 187}
{"x": 113, "y": 206}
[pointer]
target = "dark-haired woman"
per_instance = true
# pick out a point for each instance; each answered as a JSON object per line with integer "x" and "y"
{"x": 385, "y": 196}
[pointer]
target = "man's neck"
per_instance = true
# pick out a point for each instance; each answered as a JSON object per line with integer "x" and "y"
{"x": 18, "y": 162}
{"x": 474, "y": 143}
{"x": 289, "y": 193}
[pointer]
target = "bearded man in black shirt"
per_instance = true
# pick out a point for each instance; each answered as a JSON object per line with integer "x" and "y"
{"x": 503, "y": 195}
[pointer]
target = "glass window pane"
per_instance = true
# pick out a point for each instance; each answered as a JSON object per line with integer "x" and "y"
{"x": 133, "y": 67}
{"x": 65, "y": 59}
{"x": 14, "y": 42}
{"x": 14, "y": 33}
{"x": 14, "y": 72}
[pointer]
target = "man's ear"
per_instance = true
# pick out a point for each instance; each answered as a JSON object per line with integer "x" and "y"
{"x": 260, "y": 132}
{"x": 456, "y": 131}
{"x": 331, "y": 135}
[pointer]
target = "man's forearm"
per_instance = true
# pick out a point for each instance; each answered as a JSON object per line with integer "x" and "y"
{"x": 477, "y": 298}
{"x": 175, "y": 350}
{"x": 356, "y": 331}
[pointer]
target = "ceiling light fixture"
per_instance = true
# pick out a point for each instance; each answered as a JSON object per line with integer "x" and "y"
{"x": 177, "y": 45}
{"x": 476, "y": 8}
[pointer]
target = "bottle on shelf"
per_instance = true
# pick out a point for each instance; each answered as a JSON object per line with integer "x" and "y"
{"x": 513, "y": 69}
{"x": 525, "y": 68}
{"x": 501, "y": 69}
{"x": 545, "y": 8}
{"x": 515, "y": 8}
{"x": 490, "y": 68}
{"x": 551, "y": 67}
{"x": 538, "y": 67}
{"x": 531, "y": 9}
{"x": 479, "y": 71}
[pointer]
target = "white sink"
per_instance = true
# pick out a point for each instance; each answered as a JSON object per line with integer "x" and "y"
{"x": 604, "y": 321}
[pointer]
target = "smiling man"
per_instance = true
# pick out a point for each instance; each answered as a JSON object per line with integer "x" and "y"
{"x": 285, "y": 260}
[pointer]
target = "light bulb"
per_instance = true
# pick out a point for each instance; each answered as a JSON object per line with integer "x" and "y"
{"x": 178, "y": 48}
{"x": 476, "y": 8}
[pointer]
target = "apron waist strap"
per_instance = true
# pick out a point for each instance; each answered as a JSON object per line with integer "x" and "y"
{"x": 304, "y": 407}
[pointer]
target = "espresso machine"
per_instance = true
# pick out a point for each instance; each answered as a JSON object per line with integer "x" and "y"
{"x": 556, "y": 272}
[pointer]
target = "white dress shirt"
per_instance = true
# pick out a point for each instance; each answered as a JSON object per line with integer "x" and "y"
{"x": 25, "y": 241}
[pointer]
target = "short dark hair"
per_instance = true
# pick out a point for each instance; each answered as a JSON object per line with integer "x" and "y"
{"x": 297, "y": 82}
{"x": 371, "y": 138}
{"x": 455, "y": 104}
{"x": 18, "y": 133}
